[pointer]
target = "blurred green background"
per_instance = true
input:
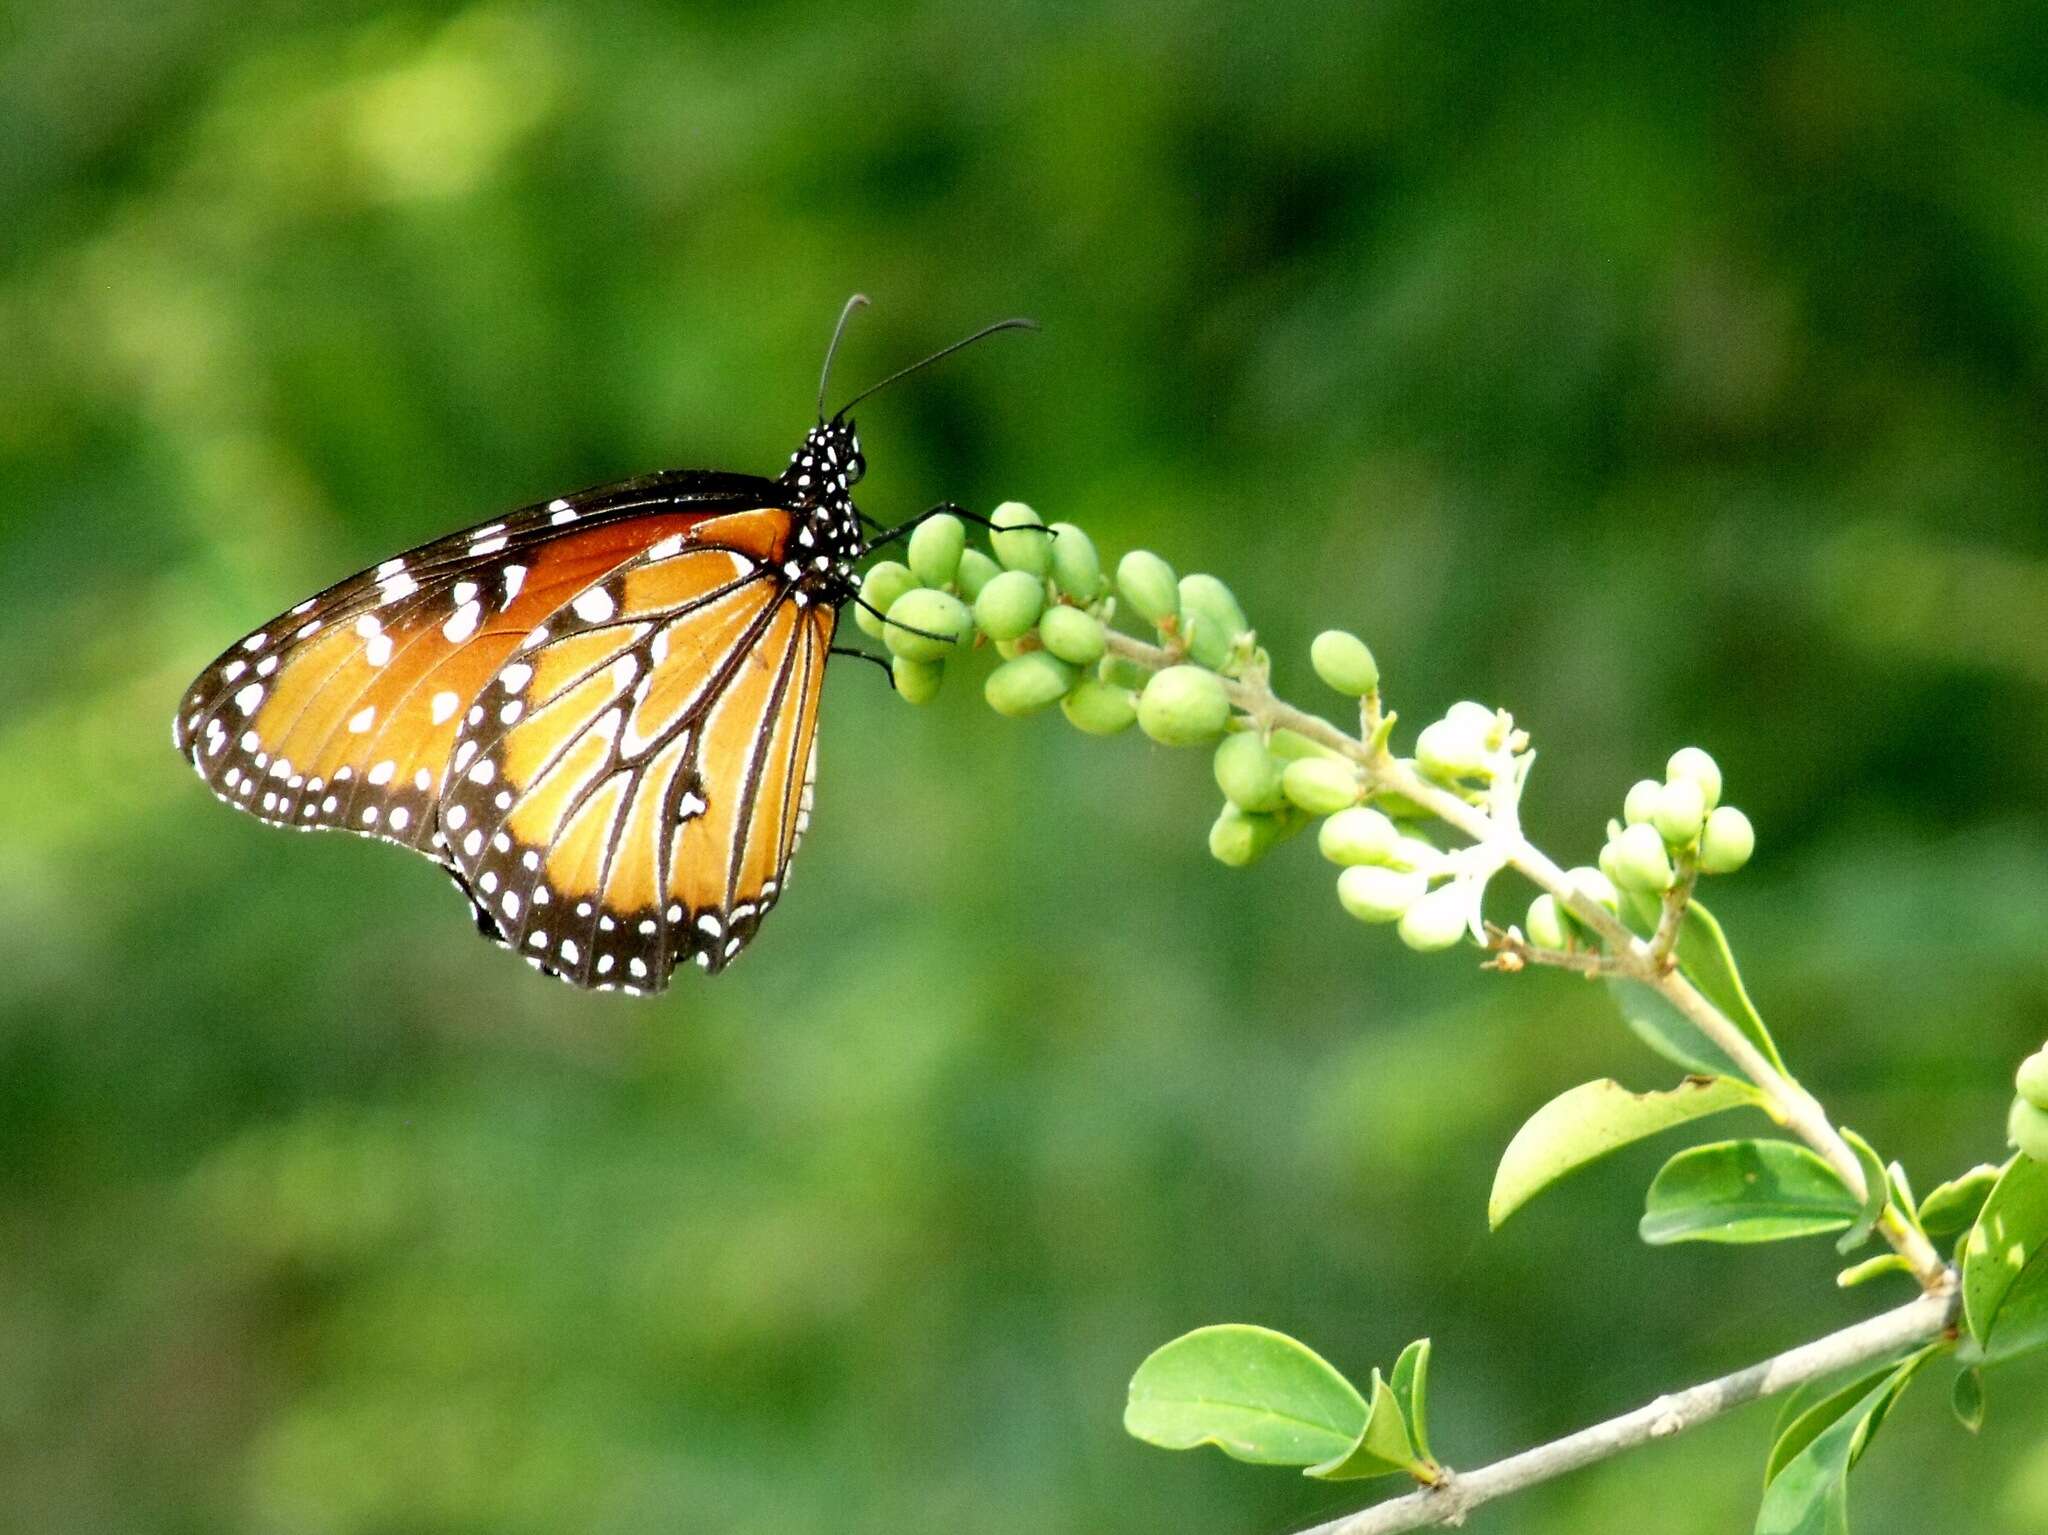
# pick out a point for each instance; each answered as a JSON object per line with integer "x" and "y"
{"x": 1666, "y": 375}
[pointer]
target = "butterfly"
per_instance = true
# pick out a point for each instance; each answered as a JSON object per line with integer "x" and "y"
{"x": 599, "y": 713}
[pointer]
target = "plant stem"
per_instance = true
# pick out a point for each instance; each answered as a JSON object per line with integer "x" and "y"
{"x": 1631, "y": 957}
{"x": 1915, "y": 1322}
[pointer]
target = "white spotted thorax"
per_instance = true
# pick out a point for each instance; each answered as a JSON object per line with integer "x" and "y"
{"x": 827, "y": 540}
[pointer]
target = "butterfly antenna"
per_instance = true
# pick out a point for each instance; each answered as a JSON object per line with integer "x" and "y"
{"x": 858, "y": 301}
{"x": 944, "y": 351}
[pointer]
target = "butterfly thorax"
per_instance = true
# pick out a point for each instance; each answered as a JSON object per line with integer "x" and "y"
{"x": 826, "y": 540}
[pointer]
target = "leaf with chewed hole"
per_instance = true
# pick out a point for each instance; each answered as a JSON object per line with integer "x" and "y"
{"x": 1593, "y": 1119}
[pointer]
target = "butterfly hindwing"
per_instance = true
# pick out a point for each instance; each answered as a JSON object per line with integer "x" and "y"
{"x": 620, "y": 797}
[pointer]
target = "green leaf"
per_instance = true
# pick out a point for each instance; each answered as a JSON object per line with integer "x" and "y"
{"x": 1902, "y": 1190}
{"x": 1951, "y": 1208}
{"x": 2022, "y": 1320}
{"x": 1799, "y": 1429}
{"x": 2010, "y": 1232}
{"x": 1665, "y": 1030}
{"x": 1876, "y": 1192}
{"x": 1589, "y": 1121}
{"x": 1411, "y": 1390}
{"x": 1704, "y": 958}
{"x": 1872, "y": 1268}
{"x": 1807, "y": 1491}
{"x": 1966, "y": 1398}
{"x": 1382, "y": 1448}
{"x": 1745, "y": 1191}
{"x": 1256, "y": 1394}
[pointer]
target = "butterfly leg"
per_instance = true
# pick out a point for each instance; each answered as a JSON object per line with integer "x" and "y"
{"x": 862, "y": 655}
{"x": 889, "y": 536}
{"x": 862, "y": 602}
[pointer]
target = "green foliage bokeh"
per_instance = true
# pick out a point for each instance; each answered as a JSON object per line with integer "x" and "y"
{"x": 1665, "y": 375}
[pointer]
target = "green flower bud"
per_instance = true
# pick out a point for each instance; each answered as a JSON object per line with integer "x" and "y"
{"x": 1028, "y": 552}
{"x": 1681, "y": 808}
{"x": 1009, "y": 605}
{"x": 934, "y": 613}
{"x": 885, "y": 581}
{"x": 2027, "y": 1128}
{"x": 1596, "y": 886}
{"x": 1238, "y": 838}
{"x": 1374, "y": 894}
{"x": 1320, "y": 785}
{"x": 1248, "y": 774}
{"x": 1546, "y": 923}
{"x": 1100, "y": 708}
{"x": 1478, "y": 721}
{"x": 1641, "y": 804}
{"x": 1446, "y": 749}
{"x": 1356, "y": 835}
{"x": 1727, "y": 841}
{"x": 1289, "y": 745}
{"x": 1076, "y": 567}
{"x": 1691, "y": 762}
{"x": 1636, "y": 860}
{"x": 976, "y": 571}
{"x": 936, "y": 545}
{"x": 1148, "y": 586}
{"x": 1344, "y": 663}
{"x": 1415, "y": 853}
{"x": 1401, "y": 807}
{"x": 1027, "y": 684}
{"x": 917, "y": 682}
{"x": 1009, "y": 650}
{"x": 1438, "y": 920}
{"x": 1072, "y": 635}
{"x": 1183, "y": 706}
{"x": 2032, "y": 1080}
{"x": 1124, "y": 673}
{"x": 1211, "y": 619}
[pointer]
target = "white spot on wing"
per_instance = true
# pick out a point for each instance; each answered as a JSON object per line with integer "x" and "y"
{"x": 463, "y": 624}
{"x": 594, "y": 606}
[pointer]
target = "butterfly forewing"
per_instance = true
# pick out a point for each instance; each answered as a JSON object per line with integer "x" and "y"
{"x": 619, "y": 796}
{"x": 343, "y": 711}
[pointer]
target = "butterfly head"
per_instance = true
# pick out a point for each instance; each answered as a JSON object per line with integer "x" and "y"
{"x": 819, "y": 481}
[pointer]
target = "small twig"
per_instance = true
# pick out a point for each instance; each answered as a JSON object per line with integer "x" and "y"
{"x": 1462, "y": 1491}
{"x": 1672, "y": 919}
{"x": 1506, "y": 944}
{"x": 1632, "y": 957}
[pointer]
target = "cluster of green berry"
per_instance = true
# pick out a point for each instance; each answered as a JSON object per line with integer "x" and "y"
{"x": 2027, "y": 1125}
{"x": 1040, "y": 595}
{"x": 1042, "y": 598}
{"x": 1668, "y": 833}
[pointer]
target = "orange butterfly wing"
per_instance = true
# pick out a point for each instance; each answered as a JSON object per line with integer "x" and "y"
{"x": 342, "y": 712}
{"x": 628, "y": 792}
